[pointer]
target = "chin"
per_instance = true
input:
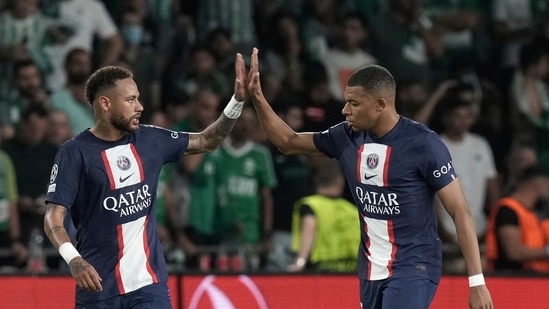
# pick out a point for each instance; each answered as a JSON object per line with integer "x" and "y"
{"x": 132, "y": 128}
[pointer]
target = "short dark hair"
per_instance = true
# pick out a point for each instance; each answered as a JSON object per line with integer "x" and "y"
{"x": 20, "y": 64}
{"x": 326, "y": 174}
{"x": 532, "y": 172}
{"x": 103, "y": 79}
{"x": 372, "y": 78}
{"x": 34, "y": 109}
{"x": 73, "y": 52}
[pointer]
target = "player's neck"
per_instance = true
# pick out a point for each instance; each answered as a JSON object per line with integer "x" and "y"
{"x": 385, "y": 125}
{"x": 106, "y": 133}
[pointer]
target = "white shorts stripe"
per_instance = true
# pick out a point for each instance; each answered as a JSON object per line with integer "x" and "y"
{"x": 380, "y": 248}
{"x": 132, "y": 267}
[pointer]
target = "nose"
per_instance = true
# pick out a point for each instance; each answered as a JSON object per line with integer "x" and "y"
{"x": 345, "y": 110}
{"x": 139, "y": 107}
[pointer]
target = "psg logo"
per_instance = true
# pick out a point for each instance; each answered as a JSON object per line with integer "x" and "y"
{"x": 372, "y": 160}
{"x": 123, "y": 163}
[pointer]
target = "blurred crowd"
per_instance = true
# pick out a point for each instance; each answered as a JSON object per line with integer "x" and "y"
{"x": 475, "y": 71}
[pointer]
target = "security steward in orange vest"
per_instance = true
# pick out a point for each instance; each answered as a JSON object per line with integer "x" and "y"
{"x": 517, "y": 239}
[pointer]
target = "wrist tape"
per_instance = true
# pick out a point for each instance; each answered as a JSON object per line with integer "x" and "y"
{"x": 68, "y": 252}
{"x": 476, "y": 280}
{"x": 233, "y": 108}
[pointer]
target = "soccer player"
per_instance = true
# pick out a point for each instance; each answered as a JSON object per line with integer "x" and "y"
{"x": 394, "y": 167}
{"x": 107, "y": 177}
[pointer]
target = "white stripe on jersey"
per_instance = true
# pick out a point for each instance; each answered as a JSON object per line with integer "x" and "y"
{"x": 380, "y": 247}
{"x": 373, "y": 164}
{"x": 123, "y": 166}
{"x": 133, "y": 270}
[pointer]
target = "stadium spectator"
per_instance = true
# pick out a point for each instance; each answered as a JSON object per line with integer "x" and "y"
{"x": 24, "y": 35}
{"x": 32, "y": 155}
{"x": 404, "y": 42}
{"x": 530, "y": 100}
{"x": 247, "y": 179}
{"x": 59, "y": 128}
{"x": 72, "y": 97}
{"x": 83, "y": 22}
{"x": 473, "y": 161}
{"x": 199, "y": 228}
{"x": 10, "y": 229}
{"x": 517, "y": 238}
{"x": 27, "y": 90}
{"x": 325, "y": 229}
{"x": 348, "y": 53}
{"x": 518, "y": 159}
{"x": 293, "y": 174}
{"x": 320, "y": 109}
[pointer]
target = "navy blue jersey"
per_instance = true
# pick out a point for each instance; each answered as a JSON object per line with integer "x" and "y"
{"x": 393, "y": 181}
{"x": 110, "y": 191}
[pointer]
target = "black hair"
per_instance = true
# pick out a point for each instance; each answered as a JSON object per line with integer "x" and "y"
{"x": 372, "y": 78}
{"x": 73, "y": 52}
{"x": 35, "y": 109}
{"x": 326, "y": 174}
{"x": 534, "y": 171}
{"x": 18, "y": 65}
{"x": 103, "y": 79}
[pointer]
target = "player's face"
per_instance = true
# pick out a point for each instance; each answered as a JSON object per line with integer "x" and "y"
{"x": 126, "y": 109}
{"x": 360, "y": 109}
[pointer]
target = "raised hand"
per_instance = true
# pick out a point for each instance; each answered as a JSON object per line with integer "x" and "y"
{"x": 240, "y": 78}
{"x": 254, "y": 85}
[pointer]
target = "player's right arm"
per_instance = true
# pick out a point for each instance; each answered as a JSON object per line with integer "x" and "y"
{"x": 279, "y": 133}
{"x": 85, "y": 275}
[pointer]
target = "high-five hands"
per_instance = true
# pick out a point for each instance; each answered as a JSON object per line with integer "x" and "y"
{"x": 240, "y": 81}
{"x": 254, "y": 86}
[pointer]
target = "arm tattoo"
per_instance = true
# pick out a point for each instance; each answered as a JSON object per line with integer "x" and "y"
{"x": 209, "y": 139}
{"x": 55, "y": 229}
{"x": 78, "y": 266}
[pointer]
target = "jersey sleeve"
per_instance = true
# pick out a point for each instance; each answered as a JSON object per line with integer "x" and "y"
{"x": 65, "y": 177}
{"x": 330, "y": 142}
{"x": 436, "y": 163}
{"x": 170, "y": 144}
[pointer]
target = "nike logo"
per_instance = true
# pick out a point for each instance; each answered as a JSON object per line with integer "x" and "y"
{"x": 366, "y": 177}
{"x": 125, "y": 178}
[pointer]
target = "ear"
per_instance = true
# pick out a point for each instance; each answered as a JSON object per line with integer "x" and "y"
{"x": 104, "y": 103}
{"x": 381, "y": 103}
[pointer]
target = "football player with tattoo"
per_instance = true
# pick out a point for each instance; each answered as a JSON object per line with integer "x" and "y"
{"x": 105, "y": 178}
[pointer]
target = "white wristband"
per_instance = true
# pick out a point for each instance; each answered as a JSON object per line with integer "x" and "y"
{"x": 68, "y": 252}
{"x": 233, "y": 108}
{"x": 476, "y": 280}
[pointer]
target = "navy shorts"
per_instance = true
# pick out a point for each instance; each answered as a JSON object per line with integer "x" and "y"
{"x": 154, "y": 296}
{"x": 397, "y": 293}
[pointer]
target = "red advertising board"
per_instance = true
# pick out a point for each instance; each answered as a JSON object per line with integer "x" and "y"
{"x": 273, "y": 292}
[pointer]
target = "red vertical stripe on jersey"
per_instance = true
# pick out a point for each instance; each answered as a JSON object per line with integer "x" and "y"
{"x": 138, "y": 159}
{"x": 386, "y": 167}
{"x": 120, "y": 254}
{"x": 359, "y": 162}
{"x": 367, "y": 246}
{"x": 391, "y": 233}
{"x": 148, "y": 251}
{"x": 108, "y": 168}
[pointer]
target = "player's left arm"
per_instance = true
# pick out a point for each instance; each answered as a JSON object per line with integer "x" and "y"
{"x": 454, "y": 202}
{"x": 210, "y": 138}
